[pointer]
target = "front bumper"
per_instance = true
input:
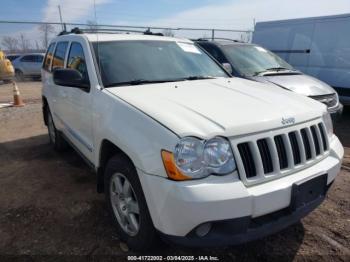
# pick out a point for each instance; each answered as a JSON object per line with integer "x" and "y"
{"x": 244, "y": 229}
{"x": 178, "y": 208}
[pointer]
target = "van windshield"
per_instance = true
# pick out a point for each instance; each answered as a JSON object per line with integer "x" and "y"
{"x": 251, "y": 60}
{"x": 147, "y": 61}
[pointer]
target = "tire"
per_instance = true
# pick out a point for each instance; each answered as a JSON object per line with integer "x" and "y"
{"x": 120, "y": 169}
{"x": 7, "y": 81}
{"x": 56, "y": 138}
{"x": 19, "y": 75}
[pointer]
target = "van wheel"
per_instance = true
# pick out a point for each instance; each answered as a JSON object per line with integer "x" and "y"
{"x": 19, "y": 75}
{"x": 56, "y": 139}
{"x": 127, "y": 204}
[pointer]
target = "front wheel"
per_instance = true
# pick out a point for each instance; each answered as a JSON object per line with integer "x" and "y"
{"x": 19, "y": 75}
{"x": 127, "y": 204}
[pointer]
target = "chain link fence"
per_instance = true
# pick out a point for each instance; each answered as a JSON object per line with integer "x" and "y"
{"x": 24, "y": 37}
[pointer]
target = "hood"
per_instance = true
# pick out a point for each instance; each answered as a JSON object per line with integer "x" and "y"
{"x": 225, "y": 106}
{"x": 299, "y": 83}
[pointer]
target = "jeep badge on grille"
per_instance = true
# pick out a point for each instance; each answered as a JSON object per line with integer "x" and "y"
{"x": 288, "y": 121}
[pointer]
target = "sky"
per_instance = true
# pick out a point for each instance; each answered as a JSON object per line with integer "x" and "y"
{"x": 228, "y": 14}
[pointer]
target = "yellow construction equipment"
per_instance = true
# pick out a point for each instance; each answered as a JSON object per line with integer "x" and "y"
{"x": 7, "y": 71}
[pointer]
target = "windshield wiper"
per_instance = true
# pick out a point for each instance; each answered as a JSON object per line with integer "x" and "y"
{"x": 141, "y": 82}
{"x": 144, "y": 81}
{"x": 277, "y": 69}
{"x": 198, "y": 77}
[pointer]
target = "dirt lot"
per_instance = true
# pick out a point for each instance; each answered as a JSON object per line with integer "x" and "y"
{"x": 50, "y": 210}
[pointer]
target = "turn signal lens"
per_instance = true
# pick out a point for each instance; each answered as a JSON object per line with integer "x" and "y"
{"x": 172, "y": 171}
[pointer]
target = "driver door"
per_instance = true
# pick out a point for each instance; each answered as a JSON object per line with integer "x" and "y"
{"x": 77, "y": 103}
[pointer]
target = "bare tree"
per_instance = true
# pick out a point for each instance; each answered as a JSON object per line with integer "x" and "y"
{"x": 46, "y": 30}
{"x": 10, "y": 43}
{"x": 168, "y": 32}
{"x": 37, "y": 47}
{"x": 24, "y": 43}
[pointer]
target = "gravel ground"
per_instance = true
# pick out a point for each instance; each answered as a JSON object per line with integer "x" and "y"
{"x": 50, "y": 211}
{"x": 30, "y": 91}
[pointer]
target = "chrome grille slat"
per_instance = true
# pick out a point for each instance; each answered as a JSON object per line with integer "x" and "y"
{"x": 295, "y": 148}
{"x": 301, "y": 146}
{"x": 289, "y": 150}
{"x": 257, "y": 158}
{"x": 319, "y": 138}
{"x": 265, "y": 155}
{"x": 323, "y": 135}
{"x": 312, "y": 143}
{"x": 274, "y": 155}
{"x": 247, "y": 159}
{"x": 306, "y": 143}
{"x": 279, "y": 152}
{"x": 316, "y": 139}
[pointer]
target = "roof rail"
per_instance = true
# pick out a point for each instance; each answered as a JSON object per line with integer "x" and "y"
{"x": 148, "y": 32}
{"x": 217, "y": 38}
{"x": 77, "y": 30}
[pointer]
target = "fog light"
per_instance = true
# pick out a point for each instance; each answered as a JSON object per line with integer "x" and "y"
{"x": 203, "y": 229}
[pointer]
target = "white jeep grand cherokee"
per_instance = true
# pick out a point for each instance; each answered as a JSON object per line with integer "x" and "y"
{"x": 181, "y": 150}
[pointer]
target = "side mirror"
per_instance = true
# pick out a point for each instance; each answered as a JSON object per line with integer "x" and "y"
{"x": 227, "y": 67}
{"x": 69, "y": 77}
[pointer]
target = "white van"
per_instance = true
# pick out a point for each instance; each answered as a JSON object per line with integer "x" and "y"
{"x": 318, "y": 46}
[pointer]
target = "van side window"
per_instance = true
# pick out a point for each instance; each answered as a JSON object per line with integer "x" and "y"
{"x": 60, "y": 53}
{"x": 48, "y": 57}
{"x": 76, "y": 60}
{"x": 28, "y": 58}
{"x": 38, "y": 58}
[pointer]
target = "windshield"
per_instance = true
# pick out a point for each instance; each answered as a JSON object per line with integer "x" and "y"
{"x": 250, "y": 60}
{"x": 135, "y": 62}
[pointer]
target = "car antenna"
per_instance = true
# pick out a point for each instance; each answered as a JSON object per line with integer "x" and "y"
{"x": 97, "y": 44}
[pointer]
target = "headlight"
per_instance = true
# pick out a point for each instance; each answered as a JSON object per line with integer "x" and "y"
{"x": 189, "y": 156}
{"x": 195, "y": 158}
{"x": 328, "y": 123}
{"x": 218, "y": 156}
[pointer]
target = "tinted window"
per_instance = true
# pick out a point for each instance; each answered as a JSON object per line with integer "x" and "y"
{"x": 215, "y": 52}
{"x": 12, "y": 57}
{"x": 58, "y": 58}
{"x": 48, "y": 57}
{"x": 123, "y": 61}
{"x": 28, "y": 58}
{"x": 76, "y": 60}
{"x": 39, "y": 58}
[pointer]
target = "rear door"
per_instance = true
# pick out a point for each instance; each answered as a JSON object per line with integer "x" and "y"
{"x": 58, "y": 93}
{"x": 46, "y": 78}
{"x": 27, "y": 64}
{"x": 38, "y": 60}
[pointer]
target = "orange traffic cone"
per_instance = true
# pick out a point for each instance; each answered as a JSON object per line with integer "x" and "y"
{"x": 17, "y": 100}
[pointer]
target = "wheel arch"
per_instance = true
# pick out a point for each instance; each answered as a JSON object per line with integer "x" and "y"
{"x": 107, "y": 150}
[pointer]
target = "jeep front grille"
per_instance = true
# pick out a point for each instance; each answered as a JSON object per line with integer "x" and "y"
{"x": 277, "y": 153}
